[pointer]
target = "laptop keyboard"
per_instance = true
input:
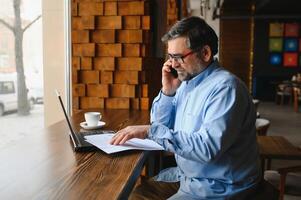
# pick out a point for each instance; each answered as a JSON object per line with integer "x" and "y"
{"x": 95, "y": 132}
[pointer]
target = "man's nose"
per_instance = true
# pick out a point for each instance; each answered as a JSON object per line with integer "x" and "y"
{"x": 174, "y": 63}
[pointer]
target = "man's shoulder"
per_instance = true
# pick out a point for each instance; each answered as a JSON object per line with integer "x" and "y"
{"x": 223, "y": 76}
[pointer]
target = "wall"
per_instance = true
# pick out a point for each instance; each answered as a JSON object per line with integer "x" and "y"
{"x": 266, "y": 76}
{"x": 235, "y": 41}
{"x": 112, "y": 63}
{"x": 54, "y": 58}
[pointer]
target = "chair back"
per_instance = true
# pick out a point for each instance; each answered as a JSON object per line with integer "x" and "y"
{"x": 256, "y": 104}
{"x": 262, "y": 126}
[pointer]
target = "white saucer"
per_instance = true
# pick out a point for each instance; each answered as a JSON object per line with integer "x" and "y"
{"x": 85, "y": 125}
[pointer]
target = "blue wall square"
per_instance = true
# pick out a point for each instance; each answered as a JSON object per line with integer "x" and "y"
{"x": 275, "y": 58}
{"x": 290, "y": 45}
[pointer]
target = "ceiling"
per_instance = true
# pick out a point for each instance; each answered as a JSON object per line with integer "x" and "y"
{"x": 263, "y": 8}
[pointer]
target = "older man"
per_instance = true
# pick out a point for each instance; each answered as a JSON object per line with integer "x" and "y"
{"x": 205, "y": 116}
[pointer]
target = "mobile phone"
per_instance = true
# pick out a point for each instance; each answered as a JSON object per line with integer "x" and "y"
{"x": 174, "y": 72}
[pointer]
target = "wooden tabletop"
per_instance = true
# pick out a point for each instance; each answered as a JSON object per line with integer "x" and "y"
{"x": 277, "y": 147}
{"x": 44, "y": 166}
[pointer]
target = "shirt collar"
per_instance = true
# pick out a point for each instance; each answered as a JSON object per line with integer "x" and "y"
{"x": 203, "y": 74}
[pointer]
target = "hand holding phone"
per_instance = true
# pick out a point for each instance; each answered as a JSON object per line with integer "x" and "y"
{"x": 170, "y": 81}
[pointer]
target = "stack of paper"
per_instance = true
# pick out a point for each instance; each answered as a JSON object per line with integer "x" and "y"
{"x": 102, "y": 141}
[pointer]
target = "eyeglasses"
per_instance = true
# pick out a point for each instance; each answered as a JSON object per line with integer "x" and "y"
{"x": 178, "y": 57}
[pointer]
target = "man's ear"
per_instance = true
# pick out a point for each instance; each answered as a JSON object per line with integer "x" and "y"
{"x": 206, "y": 53}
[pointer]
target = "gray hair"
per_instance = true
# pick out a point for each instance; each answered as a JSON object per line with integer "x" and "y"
{"x": 197, "y": 32}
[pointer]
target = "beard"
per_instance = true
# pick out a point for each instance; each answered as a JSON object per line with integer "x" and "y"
{"x": 185, "y": 76}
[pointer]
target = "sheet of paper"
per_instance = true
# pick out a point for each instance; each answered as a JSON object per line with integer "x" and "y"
{"x": 102, "y": 141}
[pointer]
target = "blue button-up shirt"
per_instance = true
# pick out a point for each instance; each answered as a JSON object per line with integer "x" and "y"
{"x": 210, "y": 126}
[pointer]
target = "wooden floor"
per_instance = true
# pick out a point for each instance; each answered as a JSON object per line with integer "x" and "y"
{"x": 284, "y": 121}
{"x": 287, "y": 123}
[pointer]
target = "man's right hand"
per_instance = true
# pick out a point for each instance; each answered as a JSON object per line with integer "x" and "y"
{"x": 170, "y": 84}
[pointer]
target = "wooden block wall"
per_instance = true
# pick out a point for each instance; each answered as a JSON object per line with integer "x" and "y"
{"x": 112, "y": 65}
{"x": 172, "y": 12}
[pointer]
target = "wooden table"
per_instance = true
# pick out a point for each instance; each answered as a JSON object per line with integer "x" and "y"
{"x": 276, "y": 147}
{"x": 44, "y": 166}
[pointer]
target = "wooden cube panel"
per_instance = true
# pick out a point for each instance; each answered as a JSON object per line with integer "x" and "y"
{"x": 79, "y": 90}
{"x": 84, "y": 49}
{"x": 91, "y": 102}
{"x": 131, "y": 22}
{"x": 75, "y": 63}
{"x": 110, "y": 8}
{"x": 129, "y": 64}
{"x": 146, "y": 37}
{"x": 113, "y": 50}
{"x": 104, "y": 63}
{"x": 130, "y": 36}
{"x": 122, "y": 90}
{"x": 106, "y": 77}
{"x": 86, "y": 63}
{"x": 108, "y": 22}
{"x": 131, "y": 8}
{"x": 135, "y": 103}
{"x": 145, "y": 22}
{"x": 75, "y": 103}
{"x": 126, "y": 77}
{"x": 84, "y": 22}
{"x": 89, "y": 76}
{"x": 144, "y": 90}
{"x": 131, "y": 50}
{"x": 90, "y": 8}
{"x": 74, "y": 76}
{"x": 104, "y": 31}
{"x": 80, "y": 36}
{"x": 74, "y": 9}
{"x": 98, "y": 90}
{"x": 144, "y": 103}
{"x": 145, "y": 50}
{"x": 103, "y": 36}
{"x": 118, "y": 103}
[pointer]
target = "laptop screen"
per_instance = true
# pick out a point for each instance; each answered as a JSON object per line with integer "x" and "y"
{"x": 74, "y": 138}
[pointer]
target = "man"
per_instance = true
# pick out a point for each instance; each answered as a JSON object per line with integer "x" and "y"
{"x": 205, "y": 117}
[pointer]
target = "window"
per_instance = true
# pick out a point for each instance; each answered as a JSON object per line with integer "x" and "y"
{"x": 3, "y": 60}
{"x": 7, "y": 87}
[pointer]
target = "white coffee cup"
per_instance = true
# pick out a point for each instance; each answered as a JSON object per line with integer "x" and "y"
{"x": 92, "y": 118}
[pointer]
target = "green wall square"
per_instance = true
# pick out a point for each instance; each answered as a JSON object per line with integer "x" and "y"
{"x": 275, "y": 44}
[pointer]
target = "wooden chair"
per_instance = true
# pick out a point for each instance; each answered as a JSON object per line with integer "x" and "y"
{"x": 277, "y": 147}
{"x": 262, "y": 126}
{"x": 283, "y": 91}
{"x": 284, "y": 173}
{"x": 150, "y": 189}
{"x": 285, "y": 180}
{"x": 256, "y": 104}
{"x": 297, "y": 98}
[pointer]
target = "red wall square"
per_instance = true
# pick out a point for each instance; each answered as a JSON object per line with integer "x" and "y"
{"x": 291, "y": 29}
{"x": 290, "y": 59}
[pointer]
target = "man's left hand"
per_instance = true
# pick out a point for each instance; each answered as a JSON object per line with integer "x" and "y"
{"x": 123, "y": 135}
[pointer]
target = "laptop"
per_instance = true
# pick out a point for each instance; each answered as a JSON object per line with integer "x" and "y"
{"x": 77, "y": 138}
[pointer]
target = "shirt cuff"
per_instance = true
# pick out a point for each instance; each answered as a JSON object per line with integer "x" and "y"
{"x": 165, "y": 98}
{"x": 160, "y": 134}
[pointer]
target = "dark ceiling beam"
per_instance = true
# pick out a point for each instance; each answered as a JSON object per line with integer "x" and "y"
{"x": 261, "y": 4}
{"x": 231, "y": 17}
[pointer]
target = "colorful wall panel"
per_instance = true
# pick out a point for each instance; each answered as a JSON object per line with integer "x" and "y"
{"x": 285, "y": 44}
